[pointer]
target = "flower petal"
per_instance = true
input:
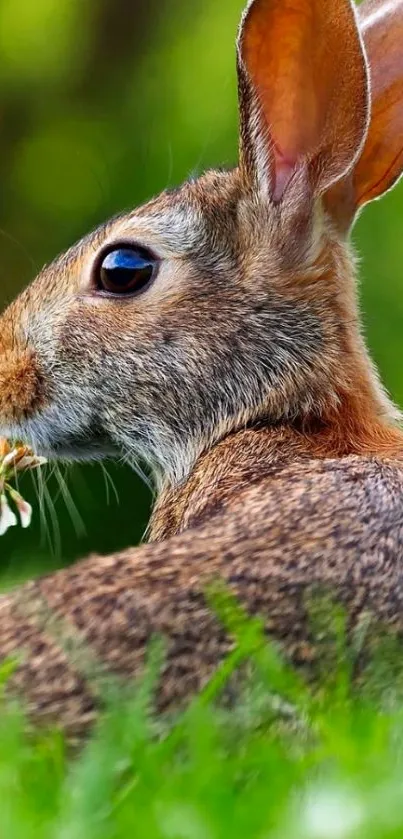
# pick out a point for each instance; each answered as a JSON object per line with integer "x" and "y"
{"x": 4, "y": 447}
{"x": 24, "y": 509}
{"x": 9, "y": 459}
{"x": 31, "y": 462}
{"x": 7, "y": 517}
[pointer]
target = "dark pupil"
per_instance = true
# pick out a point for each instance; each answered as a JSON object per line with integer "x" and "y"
{"x": 124, "y": 271}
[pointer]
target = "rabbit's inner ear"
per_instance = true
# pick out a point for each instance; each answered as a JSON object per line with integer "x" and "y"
{"x": 303, "y": 90}
{"x": 381, "y": 162}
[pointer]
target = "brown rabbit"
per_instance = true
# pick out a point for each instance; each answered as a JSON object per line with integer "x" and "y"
{"x": 215, "y": 333}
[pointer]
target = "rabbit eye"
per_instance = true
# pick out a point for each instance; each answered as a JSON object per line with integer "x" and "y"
{"x": 125, "y": 271}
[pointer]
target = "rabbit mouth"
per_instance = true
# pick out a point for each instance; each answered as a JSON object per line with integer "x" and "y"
{"x": 52, "y": 435}
{"x": 72, "y": 449}
{"x": 77, "y": 450}
{"x": 69, "y": 448}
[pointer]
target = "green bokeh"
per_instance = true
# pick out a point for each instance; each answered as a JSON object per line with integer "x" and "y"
{"x": 102, "y": 104}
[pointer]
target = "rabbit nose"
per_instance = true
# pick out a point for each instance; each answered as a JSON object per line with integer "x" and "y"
{"x": 21, "y": 385}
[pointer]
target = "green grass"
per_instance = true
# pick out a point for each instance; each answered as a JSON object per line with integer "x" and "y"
{"x": 288, "y": 761}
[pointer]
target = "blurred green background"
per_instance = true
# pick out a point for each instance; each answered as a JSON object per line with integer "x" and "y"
{"x": 102, "y": 104}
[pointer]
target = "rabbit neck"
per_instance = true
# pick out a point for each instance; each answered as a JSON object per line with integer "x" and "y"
{"x": 219, "y": 475}
{"x": 252, "y": 455}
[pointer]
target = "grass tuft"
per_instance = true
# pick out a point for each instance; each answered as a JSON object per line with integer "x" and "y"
{"x": 287, "y": 760}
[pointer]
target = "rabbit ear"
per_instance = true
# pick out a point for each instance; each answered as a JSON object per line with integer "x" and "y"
{"x": 303, "y": 92}
{"x": 381, "y": 161}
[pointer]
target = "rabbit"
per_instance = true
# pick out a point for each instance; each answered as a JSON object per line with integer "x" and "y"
{"x": 215, "y": 334}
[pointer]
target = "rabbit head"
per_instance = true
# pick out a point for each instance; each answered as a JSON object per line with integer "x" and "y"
{"x": 230, "y": 300}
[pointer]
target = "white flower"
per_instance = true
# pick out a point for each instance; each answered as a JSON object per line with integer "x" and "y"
{"x": 7, "y": 517}
{"x": 331, "y": 813}
{"x": 30, "y": 462}
{"x": 13, "y": 459}
{"x": 9, "y": 460}
{"x": 24, "y": 509}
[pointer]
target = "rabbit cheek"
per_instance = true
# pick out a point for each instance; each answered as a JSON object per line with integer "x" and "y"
{"x": 22, "y": 389}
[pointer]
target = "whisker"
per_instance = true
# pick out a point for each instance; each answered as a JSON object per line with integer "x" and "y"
{"x": 109, "y": 485}
{"x": 128, "y": 460}
{"x": 77, "y": 521}
{"x": 50, "y": 534}
{"x": 135, "y": 466}
{"x": 56, "y": 548}
{"x": 38, "y": 483}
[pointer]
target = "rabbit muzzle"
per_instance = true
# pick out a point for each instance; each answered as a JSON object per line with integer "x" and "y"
{"x": 56, "y": 425}
{"x": 21, "y": 380}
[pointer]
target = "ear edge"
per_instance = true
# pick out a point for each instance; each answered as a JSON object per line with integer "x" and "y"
{"x": 376, "y": 190}
{"x": 378, "y": 20}
{"x": 282, "y": 168}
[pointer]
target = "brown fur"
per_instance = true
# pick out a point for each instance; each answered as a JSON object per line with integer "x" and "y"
{"x": 294, "y": 525}
{"x": 21, "y": 388}
{"x": 240, "y": 375}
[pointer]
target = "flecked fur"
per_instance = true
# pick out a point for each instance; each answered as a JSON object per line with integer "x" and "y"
{"x": 242, "y": 378}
